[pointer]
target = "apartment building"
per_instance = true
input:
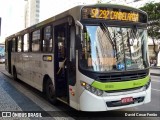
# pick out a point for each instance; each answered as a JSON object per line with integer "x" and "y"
{"x": 32, "y": 12}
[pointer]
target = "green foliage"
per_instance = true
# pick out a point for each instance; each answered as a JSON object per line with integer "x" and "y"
{"x": 153, "y": 11}
{"x": 99, "y": 1}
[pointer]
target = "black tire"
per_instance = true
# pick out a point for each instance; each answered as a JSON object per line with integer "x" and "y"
{"x": 15, "y": 74}
{"x": 50, "y": 92}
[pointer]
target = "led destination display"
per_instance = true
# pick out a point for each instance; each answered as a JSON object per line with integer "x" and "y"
{"x": 111, "y": 14}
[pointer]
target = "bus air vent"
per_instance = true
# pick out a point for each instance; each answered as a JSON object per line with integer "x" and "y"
{"x": 122, "y": 76}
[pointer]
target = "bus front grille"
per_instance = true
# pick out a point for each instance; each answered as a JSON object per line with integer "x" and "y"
{"x": 117, "y": 77}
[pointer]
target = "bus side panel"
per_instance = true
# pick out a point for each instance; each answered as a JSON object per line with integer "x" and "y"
{"x": 17, "y": 63}
{"x": 22, "y": 65}
{"x": 41, "y": 65}
{"x": 26, "y": 68}
{"x": 32, "y": 67}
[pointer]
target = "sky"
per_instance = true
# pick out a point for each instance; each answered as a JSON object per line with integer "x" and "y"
{"x": 57, "y": 6}
{"x": 12, "y": 11}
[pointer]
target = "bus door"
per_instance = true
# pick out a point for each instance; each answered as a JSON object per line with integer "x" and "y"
{"x": 60, "y": 62}
{"x": 8, "y": 50}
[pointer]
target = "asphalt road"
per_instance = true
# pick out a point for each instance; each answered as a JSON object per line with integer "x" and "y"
{"x": 18, "y": 96}
{"x": 154, "y": 105}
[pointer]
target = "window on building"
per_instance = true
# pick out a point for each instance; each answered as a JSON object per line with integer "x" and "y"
{"x": 37, "y": 10}
{"x": 37, "y": 1}
{"x": 37, "y": 15}
{"x": 26, "y": 43}
{"x": 37, "y": 6}
{"x": 47, "y": 41}
{"x": 36, "y": 41}
{"x": 19, "y": 45}
{"x": 37, "y": 19}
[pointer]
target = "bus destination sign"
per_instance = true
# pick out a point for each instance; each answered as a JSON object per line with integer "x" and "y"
{"x": 110, "y": 14}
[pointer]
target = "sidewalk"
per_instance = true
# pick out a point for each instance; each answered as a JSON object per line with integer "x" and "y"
{"x": 3, "y": 71}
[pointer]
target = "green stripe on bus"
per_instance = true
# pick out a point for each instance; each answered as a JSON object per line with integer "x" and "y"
{"x": 120, "y": 85}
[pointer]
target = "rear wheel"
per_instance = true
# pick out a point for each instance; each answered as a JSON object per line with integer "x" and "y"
{"x": 50, "y": 92}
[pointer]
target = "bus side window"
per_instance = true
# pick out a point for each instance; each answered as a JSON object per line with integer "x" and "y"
{"x": 36, "y": 41}
{"x": 19, "y": 44}
{"x": 26, "y": 43}
{"x": 47, "y": 41}
{"x": 14, "y": 45}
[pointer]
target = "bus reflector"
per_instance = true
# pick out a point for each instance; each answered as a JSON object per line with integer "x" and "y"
{"x": 70, "y": 89}
{"x": 72, "y": 93}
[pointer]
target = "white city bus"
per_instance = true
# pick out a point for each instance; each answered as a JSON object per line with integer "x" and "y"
{"x": 91, "y": 57}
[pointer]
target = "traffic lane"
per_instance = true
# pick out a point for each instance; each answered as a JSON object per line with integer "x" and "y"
{"x": 155, "y": 80}
{"x": 155, "y": 77}
{"x": 154, "y": 105}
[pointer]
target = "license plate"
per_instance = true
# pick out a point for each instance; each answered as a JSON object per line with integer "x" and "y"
{"x": 127, "y": 100}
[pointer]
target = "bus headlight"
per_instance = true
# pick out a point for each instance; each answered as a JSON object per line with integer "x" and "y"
{"x": 88, "y": 87}
{"x": 92, "y": 89}
{"x": 99, "y": 92}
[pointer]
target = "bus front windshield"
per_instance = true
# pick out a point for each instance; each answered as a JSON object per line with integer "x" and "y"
{"x": 113, "y": 48}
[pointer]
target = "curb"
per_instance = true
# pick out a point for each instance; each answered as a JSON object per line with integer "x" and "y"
{"x": 155, "y": 74}
{"x": 6, "y": 74}
{"x": 154, "y": 67}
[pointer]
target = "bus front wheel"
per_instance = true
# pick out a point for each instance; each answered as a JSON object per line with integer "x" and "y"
{"x": 50, "y": 92}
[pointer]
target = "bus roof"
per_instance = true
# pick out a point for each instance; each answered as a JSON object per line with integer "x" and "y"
{"x": 74, "y": 13}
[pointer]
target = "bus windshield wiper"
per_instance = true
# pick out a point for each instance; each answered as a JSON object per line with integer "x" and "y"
{"x": 106, "y": 32}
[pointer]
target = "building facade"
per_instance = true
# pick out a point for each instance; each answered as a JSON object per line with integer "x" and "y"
{"x": 32, "y": 12}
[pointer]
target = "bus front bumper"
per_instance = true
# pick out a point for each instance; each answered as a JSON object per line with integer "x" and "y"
{"x": 91, "y": 102}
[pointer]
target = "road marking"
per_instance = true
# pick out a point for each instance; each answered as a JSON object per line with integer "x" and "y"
{"x": 155, "y": 89}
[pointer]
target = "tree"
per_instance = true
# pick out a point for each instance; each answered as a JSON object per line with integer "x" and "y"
{"x": 153, "y": 11}
{"x": 99, "y": 1}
